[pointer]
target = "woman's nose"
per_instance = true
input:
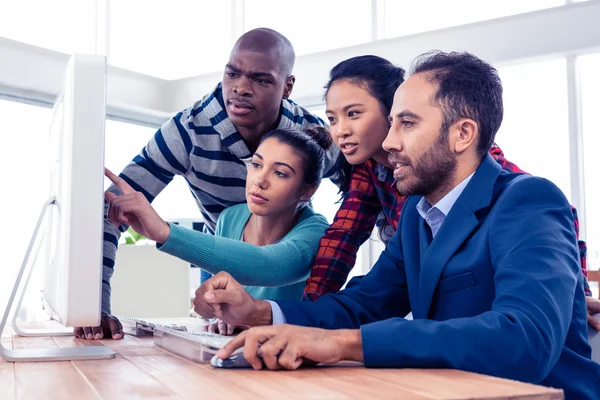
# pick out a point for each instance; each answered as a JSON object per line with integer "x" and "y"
{"x": 260, "y": 181}
{"x": 343, "y": 130}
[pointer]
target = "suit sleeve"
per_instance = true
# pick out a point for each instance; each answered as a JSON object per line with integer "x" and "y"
{"x": 534, "y": 254}
{"x": 498, "y": 156}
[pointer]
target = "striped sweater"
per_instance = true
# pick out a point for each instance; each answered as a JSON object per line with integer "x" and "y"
{"x": 201, "y": 144}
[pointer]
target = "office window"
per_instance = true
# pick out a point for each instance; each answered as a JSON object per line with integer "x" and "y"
{"x": 408, "y": 17}
{"x": 325, "y": 199}
{"x": 312, "y": 25}
{"x": 67, "y": 26}
{"x": 590, "y": 100}
{"x": 123, "y": 143}
{"x": 535, "y": 132}
{"x": 170, "y": 39}
{"x": 25, "y": 182}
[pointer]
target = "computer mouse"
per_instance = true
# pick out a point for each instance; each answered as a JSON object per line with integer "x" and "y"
{"x": 236, "y": 360}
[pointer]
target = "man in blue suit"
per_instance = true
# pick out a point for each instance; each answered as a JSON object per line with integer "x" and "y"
{"x": 486, "y": 260}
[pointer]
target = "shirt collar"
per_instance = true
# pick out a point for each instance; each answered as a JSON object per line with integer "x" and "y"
{"x": 446, "y": 202}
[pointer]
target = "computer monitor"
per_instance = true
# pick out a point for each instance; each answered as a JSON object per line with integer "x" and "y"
{"x": 73, "y": 236}
{"x": 74, "y": 274}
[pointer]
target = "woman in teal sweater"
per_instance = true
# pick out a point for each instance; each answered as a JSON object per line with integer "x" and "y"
{"x": 267, "y": 244}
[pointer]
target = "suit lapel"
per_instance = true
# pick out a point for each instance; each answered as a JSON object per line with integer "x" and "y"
{"x": 457, "y": 227}
{"x": 455, "y": 230}
{"x": 411, "y": 244}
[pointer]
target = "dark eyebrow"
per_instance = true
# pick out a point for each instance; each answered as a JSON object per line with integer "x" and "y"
{"x": 253, "y": 74}
{"x": 410, "y": 114}
{"x": 286, "y": 165}
{"x": 261, "y": 75}
{"x": 277, "y": 163}
{"x": 234, "y": 69}
{"x": 346, "y": 108}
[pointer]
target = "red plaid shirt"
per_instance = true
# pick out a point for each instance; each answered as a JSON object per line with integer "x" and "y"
{"x": 371, "y": 195}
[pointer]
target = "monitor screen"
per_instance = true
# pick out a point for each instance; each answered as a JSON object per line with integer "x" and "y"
{"x": 74, "y": 236}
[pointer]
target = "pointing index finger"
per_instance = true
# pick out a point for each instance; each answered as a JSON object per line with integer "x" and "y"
{"x": 119, "y": 182}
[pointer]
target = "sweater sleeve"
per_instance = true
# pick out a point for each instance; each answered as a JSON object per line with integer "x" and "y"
{"x": 280, "y": 264}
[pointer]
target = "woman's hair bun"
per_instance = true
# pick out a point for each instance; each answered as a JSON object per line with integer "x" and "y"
{"x": 321, "y": 136}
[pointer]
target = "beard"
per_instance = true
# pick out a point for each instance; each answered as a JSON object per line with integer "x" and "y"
{"x": 432, "y": 172}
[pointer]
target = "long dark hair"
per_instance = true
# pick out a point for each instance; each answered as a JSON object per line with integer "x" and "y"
{"x": 311, "y": 144}
{"x": 379, "y": 77}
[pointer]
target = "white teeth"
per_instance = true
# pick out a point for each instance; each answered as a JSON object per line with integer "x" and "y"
{"x": 347, "y": 146}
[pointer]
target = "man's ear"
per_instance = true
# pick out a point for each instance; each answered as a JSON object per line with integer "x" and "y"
{"x": 465, "y": 135}
{"x": 289, "y": 85}
{"x": 308, "y": 192}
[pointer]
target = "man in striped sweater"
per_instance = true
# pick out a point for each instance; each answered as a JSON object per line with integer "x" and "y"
{"x": 211, "y": 142}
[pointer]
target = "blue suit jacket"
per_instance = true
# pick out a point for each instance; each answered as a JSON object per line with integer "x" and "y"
{"x": 499, "y": 291}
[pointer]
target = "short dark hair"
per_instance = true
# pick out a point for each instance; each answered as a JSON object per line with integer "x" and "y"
{"x": 377, "y": 76}
{"x": 467, "y": 87}
{"x": 266, "y": 40}
{"x": 311, "y": 144}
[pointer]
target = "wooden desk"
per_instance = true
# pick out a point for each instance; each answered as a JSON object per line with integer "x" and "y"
{"x": 141, "y": 370}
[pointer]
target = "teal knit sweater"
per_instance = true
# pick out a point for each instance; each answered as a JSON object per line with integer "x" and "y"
{"x": 276, "y": 272}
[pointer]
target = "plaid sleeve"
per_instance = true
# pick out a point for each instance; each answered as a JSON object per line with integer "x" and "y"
{"x": 497, "y": 154}
{"x": 351, "y": 227}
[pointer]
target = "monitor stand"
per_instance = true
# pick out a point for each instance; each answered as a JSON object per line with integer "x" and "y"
{"x": 42, "y": 354}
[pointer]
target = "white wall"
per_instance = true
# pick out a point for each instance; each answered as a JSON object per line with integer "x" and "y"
{"x": 35, "y": 74}
{"x": 570, "y": 29}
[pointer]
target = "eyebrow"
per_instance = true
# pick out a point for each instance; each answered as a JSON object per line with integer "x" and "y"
{"x": 346, "y": 108}
{"x": 277, "y": 163}
{"x": 410, "y": 114}
{"x": 254, "y": 74}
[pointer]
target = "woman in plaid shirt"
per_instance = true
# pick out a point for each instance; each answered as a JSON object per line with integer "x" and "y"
{"x": 359, "y": 97}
